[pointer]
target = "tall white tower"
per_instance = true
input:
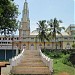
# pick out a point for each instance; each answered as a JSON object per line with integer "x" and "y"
{"x": 24, "y": 28}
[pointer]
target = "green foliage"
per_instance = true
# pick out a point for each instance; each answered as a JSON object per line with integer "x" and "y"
{"x": 65, "y": 59}
{"x": 65, "y": 52}
{"x": 61, "y": 63}
{"x": 54, "y": 27}
{"x": 48, "y": 30}
{"x": 42, "y": 30}
{"x": 73, "y": 45}
{"x": 55, "y": 55}
{"x": 59, "y": 67}
{"x": 8, "y": 15}
{"x": 69, "y": 63}
{"x": 67, "y": 56}
{"x": 72, "y": 58}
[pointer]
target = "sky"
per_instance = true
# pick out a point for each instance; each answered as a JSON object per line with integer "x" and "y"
{"x": 48, "y": 9}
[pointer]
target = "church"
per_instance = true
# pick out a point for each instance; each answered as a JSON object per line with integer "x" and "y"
{"x": 10, "y": 47}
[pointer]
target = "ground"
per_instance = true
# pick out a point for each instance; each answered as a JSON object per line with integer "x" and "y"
{"x": 64, "y": 73}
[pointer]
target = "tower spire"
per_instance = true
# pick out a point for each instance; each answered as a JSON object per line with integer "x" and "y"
{"x": 25, "y": 16}
{"x": 25, "y": 22}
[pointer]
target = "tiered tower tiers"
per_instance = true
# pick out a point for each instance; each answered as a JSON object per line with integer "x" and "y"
{"x": 24, "y": 29}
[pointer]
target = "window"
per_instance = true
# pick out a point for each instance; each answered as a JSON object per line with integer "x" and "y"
{"x": 65, "y": 38}
{"x": 71, "y": 37}
{"x": 24, "y": 32}
{"x": 9, "y": 42}
{"x": 17, "y": 38}
{"x": 3, "y": 38}
{"x": 24, "y": 45}
{"x": 28, "y": 26}
{"x": 40, "y": 44}
{"x": 32, "y": 44}
{"x": 57, "y": 38}
{"x": 73, "y": 33}
{"x": 72, "y": 28}
{"x": 48, "y": 44}
{"x": 4, "y": 42}
{"x": 68, "y": 43}
{"x": 32, "y": 38}
{"x": 24, "y": 38}
{"x": 9, "y": 38}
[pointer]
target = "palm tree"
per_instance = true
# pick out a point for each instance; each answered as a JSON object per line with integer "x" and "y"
{"x": 42, "y": 30}
{"x": 54, "y": 27}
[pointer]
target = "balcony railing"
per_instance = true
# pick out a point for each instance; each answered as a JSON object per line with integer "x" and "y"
{"x": 8, "y": 47}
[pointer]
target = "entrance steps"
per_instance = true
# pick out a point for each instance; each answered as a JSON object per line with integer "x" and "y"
{"x": 31, "y": 64}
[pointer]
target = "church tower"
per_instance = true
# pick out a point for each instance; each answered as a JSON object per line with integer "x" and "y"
{"x": 24, "y": 28}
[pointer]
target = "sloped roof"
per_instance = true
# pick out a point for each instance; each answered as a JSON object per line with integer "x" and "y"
{"x": 63, "y": 34}
{"x": 34, "y": 32}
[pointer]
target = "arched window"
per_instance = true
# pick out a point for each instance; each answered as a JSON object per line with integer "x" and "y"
{"x": 48, "y": 44}
{"x": 68, "y": 43}
{"x": 40, "y": 44}
{"x": 68, "y": 46}
{"x": 24, "y": 45}
{"x": 32, "y": 44}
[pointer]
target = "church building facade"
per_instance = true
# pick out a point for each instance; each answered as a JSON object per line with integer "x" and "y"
{"x": 27, "y": 40}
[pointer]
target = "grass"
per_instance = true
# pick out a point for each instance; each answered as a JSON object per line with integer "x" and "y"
{"x": 58, "y": 65}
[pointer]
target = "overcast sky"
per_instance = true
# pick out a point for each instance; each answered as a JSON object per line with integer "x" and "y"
{"x": 48, "y": 9}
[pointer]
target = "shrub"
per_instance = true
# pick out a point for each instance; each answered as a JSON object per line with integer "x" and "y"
{"x": 55, "y": 54}
{"x": 73, "y": 45}
{"x": 69, "y": 63}
{"x": 72, "y": 58}
{"x": 64, "y": 52}
{"x": 65, "y": 60}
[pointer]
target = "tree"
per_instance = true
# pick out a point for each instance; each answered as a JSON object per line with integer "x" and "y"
{"x": 42, "y": 30}
{"x": 54, "y": 27}
{"x": 8, "y": 15}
